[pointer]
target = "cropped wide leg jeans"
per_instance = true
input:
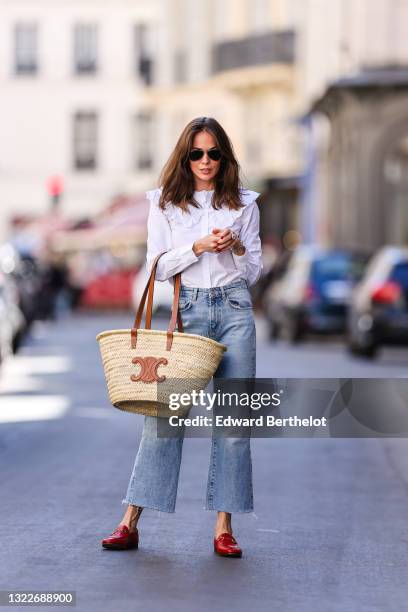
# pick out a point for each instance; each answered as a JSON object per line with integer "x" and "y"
{"x": 224, "y": 314}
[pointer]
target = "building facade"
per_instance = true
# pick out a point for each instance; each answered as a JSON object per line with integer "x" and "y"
{"x": 355, "y": 97}
{"x": 97, "y": 93}
{"x": 73, "y": 78}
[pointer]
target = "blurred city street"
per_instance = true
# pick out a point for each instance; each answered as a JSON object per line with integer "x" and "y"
{"x": 329, "y": 530}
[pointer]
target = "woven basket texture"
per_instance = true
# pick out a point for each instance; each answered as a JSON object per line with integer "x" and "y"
{"x": 192, "y": 362}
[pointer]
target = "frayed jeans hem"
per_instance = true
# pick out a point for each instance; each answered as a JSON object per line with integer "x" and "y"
{"x": 147, "y": 506}
{"x": 229, "y": 510}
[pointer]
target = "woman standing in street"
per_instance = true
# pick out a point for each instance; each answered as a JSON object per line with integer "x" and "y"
{"x": 209, "y": 227}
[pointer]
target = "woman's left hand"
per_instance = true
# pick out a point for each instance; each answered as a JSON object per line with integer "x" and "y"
{"x": 226, "y": 239}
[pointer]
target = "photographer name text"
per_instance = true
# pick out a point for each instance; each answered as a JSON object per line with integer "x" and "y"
{"x": 259, "y": 421}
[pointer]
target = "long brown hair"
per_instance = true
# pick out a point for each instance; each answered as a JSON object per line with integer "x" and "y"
{"x": 177, "y": 180}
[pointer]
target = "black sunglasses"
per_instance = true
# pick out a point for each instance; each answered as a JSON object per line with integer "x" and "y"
{"x": 196, "y": 154}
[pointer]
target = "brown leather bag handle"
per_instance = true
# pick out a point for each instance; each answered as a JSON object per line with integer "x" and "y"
{"x": 149, "y": 292}
{"x": 149, "y": 288}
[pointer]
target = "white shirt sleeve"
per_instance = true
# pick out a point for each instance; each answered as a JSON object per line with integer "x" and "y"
{"x": 250, "y": 264}
{"x": 159, "y": 240}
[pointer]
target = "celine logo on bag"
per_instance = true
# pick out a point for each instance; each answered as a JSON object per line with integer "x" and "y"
{"x": 148, "y": 372}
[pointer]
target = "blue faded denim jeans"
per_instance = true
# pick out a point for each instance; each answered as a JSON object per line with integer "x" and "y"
{"x": 225, "y": 314}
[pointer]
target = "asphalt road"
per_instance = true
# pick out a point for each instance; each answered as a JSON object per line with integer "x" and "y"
{"x": 329, "y": 531}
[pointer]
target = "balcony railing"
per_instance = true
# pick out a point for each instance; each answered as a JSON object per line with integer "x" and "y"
{"x": 269, "y": 48}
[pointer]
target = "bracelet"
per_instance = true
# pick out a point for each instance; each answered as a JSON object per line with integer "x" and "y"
{"x": 238, "y": 246}
{"x": 241, "y": 246}
{"x": 234, "y": 236}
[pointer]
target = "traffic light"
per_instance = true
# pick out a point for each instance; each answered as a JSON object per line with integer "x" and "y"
{"x": 55, "y": 188}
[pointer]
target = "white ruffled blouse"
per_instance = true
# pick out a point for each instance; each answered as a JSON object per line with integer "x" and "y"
{"x": 175, "y": 231}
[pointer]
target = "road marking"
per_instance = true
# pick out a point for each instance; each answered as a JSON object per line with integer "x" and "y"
{"x": 94, "y": 413}
{"x": 21, "y": 373}
{"x": 15, "y": 409}
{"x": 26, "y": 365}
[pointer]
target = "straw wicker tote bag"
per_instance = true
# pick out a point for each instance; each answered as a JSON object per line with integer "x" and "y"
{"x": 144, "y": 366}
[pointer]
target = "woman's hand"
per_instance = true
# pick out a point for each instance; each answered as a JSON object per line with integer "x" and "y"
{"x": 207, "y": 244}
{"x": 217, "y": 242}
{"x": 227, "y": 239}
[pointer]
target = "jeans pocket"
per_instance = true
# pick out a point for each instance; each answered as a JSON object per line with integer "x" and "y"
{"x": 184, "y": 303}
{"x": 239, "y": 298}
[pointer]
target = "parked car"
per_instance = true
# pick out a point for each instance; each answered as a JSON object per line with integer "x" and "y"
{"x": 311, "y": 291}
{"x": 379, "y": 305}
{"x": 23, "y": 284}
{"x": 110, "y": 290}
{"x": 27, "y": 274}
{"x": 13, "y": 312}
{"x": 6, "y": 331}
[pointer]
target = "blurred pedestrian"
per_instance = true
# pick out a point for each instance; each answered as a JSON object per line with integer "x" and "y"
{"x": 54, "y": 281}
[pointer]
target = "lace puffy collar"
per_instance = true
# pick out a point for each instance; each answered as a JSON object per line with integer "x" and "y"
{"x": 175, "y": 213}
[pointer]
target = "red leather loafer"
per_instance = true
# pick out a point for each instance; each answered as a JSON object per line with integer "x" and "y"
{"x": 122, "y": 539}
{"x": 227, "y": 546}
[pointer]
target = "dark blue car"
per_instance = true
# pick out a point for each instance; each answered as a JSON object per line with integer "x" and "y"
{"x": 313, "y": 293}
